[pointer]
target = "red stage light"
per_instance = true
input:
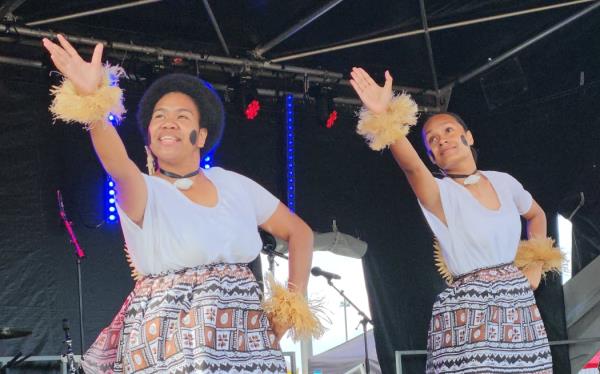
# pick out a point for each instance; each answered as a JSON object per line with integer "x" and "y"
{"x": 331, "y": 120}
{"x": 252, "y": 109}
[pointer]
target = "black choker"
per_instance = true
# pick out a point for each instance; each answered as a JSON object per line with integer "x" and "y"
{"x": 182, "y": 182}
{"x": 455, "y": 176}
{"x": 469, "y": 178}
{"x": 177, "y": 176}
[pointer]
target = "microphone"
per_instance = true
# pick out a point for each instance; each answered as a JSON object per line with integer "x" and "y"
{"x": 61, "y": 205}
{"x": 316, "y": 271}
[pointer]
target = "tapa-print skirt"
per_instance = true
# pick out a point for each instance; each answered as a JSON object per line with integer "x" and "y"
{"x": 487, "y": 322}
{"x": 206, "y": 319}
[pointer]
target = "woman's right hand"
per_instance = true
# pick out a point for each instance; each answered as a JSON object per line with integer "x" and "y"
{"x": 374, "y": 97}
{"x": 279, "y": 331}
{"x": 86, "y": 76}
{"x": 533, "y": 273}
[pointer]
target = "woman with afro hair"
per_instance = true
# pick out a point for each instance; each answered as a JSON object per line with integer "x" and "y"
{"x": 190, "y": 233}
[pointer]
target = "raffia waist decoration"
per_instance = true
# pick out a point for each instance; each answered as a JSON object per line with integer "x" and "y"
{"x": 529, "y": 252}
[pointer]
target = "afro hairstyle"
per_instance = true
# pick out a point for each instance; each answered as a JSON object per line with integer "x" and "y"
{"x": 208, "y": 103}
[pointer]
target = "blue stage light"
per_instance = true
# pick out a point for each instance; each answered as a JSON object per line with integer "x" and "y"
{"x": 111, "y": 210}
{"x": 291, "y": 179}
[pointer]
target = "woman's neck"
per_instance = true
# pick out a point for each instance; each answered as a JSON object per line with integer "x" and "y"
{"x": 463, "y": 168}
{"x": 180, "y": 168}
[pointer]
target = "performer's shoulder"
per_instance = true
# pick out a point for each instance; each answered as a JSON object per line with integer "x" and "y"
{"x": 216, "y": 170}
{"x": 219, "y": 172}
{"x": 225, "y": 174}
{"x": 499, "y": 175}
{"x": 496, "y": 173}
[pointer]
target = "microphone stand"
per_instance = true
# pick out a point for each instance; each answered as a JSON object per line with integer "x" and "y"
{"x": 71, "y": 369}
{"x": 365, "y": 320}
{"x": 269, "y": 245}
{"x": 271, "y": 254}
{"x": 79, "y": 255}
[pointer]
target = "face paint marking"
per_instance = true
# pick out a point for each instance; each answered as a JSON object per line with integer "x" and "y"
{"x": 193, "y": 137}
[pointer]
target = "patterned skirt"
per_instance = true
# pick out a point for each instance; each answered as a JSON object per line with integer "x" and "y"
{"x": 488, "y": 322}
{"x": 206, "y": 319}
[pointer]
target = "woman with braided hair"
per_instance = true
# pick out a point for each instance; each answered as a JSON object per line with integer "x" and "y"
{"x": 190, "y": 233}
{"x": 487, "y": 320}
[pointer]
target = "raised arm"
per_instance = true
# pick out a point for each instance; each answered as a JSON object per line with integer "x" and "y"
{"x": 377, "y": 99}
{"x": 87, "y": 78}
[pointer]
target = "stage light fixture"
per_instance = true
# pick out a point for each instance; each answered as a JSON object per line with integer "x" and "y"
{"x": 242, "y": 89}
{"x": 324, "y": 104}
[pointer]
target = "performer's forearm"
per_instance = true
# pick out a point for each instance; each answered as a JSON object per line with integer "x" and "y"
{"x": 110, "y": 150}
{"x": 421, "y": 181}
{"x": 406, "y": 156}
{"x": 300, "y": 246}
{"x": 537, "y": 226}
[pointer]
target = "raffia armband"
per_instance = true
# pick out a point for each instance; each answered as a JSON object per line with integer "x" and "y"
{"x": 543, "y": 250}
{"x": 289, "y": 308}
{"x": 69, "y": 106}
{"x": 384, "y": 129}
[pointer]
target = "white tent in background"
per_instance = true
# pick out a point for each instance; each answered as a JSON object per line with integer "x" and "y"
{"x": 345, "y": 357}
{"x": 592, "y": 366}
{"x": 333, "y": 241}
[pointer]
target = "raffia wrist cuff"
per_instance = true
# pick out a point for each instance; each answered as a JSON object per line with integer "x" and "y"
{"x": 383, "y": 129}
{"x": 69, "y": 106}
{"x": 289, "y": 308}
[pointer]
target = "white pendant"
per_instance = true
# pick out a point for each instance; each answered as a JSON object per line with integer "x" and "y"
{"x": 183, "y": 183}
{"x": 472, "y": 179}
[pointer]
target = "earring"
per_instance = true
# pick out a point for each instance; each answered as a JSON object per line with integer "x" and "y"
{"x": 150, "y": 161}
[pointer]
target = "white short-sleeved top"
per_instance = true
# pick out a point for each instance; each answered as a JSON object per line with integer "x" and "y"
{"x": 477, "y": 237}
{"x": 177, "y": 233}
